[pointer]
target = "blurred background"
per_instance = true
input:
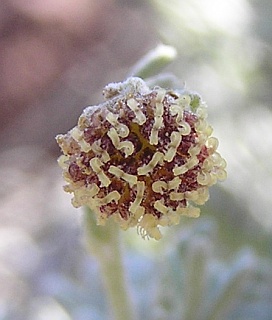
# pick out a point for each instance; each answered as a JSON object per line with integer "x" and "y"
{"x": 55, "y": 58}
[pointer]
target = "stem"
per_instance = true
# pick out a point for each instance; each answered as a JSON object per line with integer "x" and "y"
{"x": 103, "y": 242}
{"x": 154, "y": 61}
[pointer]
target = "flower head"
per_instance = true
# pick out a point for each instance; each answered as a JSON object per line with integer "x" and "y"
{"x": 144, "y": 156}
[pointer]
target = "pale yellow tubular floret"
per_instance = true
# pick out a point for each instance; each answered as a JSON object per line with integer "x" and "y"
{"x": 159, "y": 110}
{"x": 213, "y": 179}
{"x": 185, "y": 128}
{"x": 112, "y": 196}
{"x": 193, "y": 151}
{"x": 172, "y": 218}
{"x": 158, "y": 205}
{"x": 218, "y": 161}
{"x": 202, "y": 112}
{"x": 175, "y": 140}
{"x": 201, "y": 125}
{"x": 208, "y": 164}
{"x": 160, "y": 95}
{"x": 100, "y": 152}
{"x": 204, "y": 178}
{"x": 191, "y": 212}
{"x": 126, "y": 146}
{"x": 148, "y": 226}
{"x": 112, "y": 119}
{"x": 77, "y": 135}
{"x": 208, "y": 131}
{"x": 140, "y": 118}
{"x": 121, "y": 129}
{"x": 175, "y": 109}
{"x": 180, "y": 170}
{"x": 158, "y": 119}
{"x": 158, "y": 186}
{"x": 192, "y": 195}
{"x": 63, "y": 162}
{"x": 169, "y": 217}
{"x": 221, "y": 174}
{"x": 154, "y": 135}
{"x": 131, "y": 179}
{"x": 184, "y": 100}
{"x": 212, "y": 144}
{"x": 112, "y": 134}
{"x": 83, "y": 195}
{"x": 176, "y": 196}
{"x": 96, "y": 165}
{"x": 203, "y": 195}
{"x": 139, "y": 197}
{"x": 174, "y": 184}
{"x": 192, "y": 162}
{"x": 134, "y": 219}
{"x": 157, "y": 157}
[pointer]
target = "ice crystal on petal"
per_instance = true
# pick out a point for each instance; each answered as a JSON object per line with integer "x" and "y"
{"x": 144, "y": 156}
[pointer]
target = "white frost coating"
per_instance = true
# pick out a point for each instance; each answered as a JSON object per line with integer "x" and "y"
{"x": 157, "y": 157}
{"x": 140, "y": 118}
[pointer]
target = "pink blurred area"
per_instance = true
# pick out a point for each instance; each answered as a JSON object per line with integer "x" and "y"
{"x": 55, "y": 58}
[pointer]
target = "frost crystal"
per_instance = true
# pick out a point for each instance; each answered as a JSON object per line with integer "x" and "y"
{"x": 144, "y": 156}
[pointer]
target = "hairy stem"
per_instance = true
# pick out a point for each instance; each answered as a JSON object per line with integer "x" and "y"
{"x": 103, "y": 243}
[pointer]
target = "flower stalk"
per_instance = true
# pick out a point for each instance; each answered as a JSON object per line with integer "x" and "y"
{"x": 103, "y": 243}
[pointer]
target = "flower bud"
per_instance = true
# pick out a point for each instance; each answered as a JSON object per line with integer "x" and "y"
{"x": 144, "y": 156}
